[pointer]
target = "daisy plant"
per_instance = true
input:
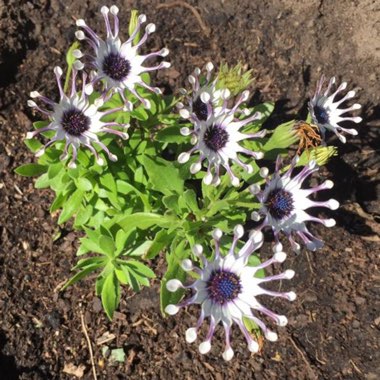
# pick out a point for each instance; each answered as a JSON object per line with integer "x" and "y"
{"x": 143, "y": 174}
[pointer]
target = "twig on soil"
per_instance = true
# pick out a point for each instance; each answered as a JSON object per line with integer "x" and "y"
{"x": 309, "y": 262}
{"x": 303, "y": 357}
{"x": 356, "y": 367}
{"x": 206, "y": 30}
{"x": 88, "y": 343}
{"x": 59, "y": 286}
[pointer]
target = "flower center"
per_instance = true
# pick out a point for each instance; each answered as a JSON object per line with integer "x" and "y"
{"x": 223, "y": 286}
{"x": 321, "y": 115}
{"x": 215, "y": 137}
{"x": 279, "y": 203}
{"x": 75, "y": 122}
{"x": 116, "y": 67}
{"x": 200, "y": 109}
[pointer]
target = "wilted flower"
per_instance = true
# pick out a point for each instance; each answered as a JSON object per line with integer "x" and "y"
{"x": 327, "y": 114}
{"x": 75, "y": 120}
{"x": 217, "y": 139}
{"x": 118, "y": 64}
{"x": 227, "y": 291}
{"x": 283, "y": 204}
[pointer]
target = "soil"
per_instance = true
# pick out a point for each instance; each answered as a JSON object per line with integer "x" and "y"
{"x": 333, "y": 330}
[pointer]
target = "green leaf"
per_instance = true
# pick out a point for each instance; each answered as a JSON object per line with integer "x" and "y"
{"x": 84, "y": 184}
{"x": 132, "y": 25}
{"x": 33, "y": 144}
{"x": 254, "y": 261}
{"x": 123, "y": 276}
{"x": 42, "y": 182}
{"x": 31, "y": 170}
{"x": 139, "y": 113}
{"x": 252, "y": 327}
{"x": 144, "y": 220}
{"x": 163, "y": 175}
{"x": 283, "y": 137}
{"x": 171, "y": 135}
{"x": 191, "y": 200}
{"x": 265, "y": 109}
{"x": 108, "y": 182}
{"x": 82, "y": 274}
{"x": 161, "y": 240}
{"x": 140, "y": 268}
{"x": 117, "y": 355}
{"x": 83, "y": 263}
{"x": 174, "y": 259}
{"x": 70, "y": 59}
{"x": 110, "y": 294}
{"x": 142, "y": 249}
{"x": 83, "y": 215}
{"x": 58, "y": 202}
{"x": 107, "y": 245}
{"x": 320, "y": 154}
{"x": 71, "y": 206}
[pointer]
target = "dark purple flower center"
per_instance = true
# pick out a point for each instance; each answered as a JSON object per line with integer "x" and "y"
{"x": 116, "y": 67}
{"x": 279, "y": 203}
{"x": 321, "y": 115}
{"x": 200, "y": 109}
{"x": 215, "y": 137}
{"x": 75, "y": 122}
{"x": 223, "y": 286}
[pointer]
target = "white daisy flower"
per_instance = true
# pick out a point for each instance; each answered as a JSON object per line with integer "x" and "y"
{"x": 227, "y": 291}
{"x": 326, "y": 113}
{"x": 283, "y": 204}
{"x": 202, "y": 95}
{"x": 217, "y": 139}
{"x": 118, "y": 64}
{"x": 75, "y": 120}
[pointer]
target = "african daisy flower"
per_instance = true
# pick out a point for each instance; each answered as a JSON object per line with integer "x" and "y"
{"x": 118, "y": 64}
{"x": 283, "y": 204}
{"x": 75, "y": 120}
{"x": 217, "y": 140}
{"x": 197, "y": 109}
{"x": 227, "y": 291}
{"x": 326, "y": 113}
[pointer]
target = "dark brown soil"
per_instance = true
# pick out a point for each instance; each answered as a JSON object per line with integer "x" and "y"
{"x": 333, "y": 330}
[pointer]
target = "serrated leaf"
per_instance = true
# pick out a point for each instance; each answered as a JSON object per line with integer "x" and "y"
{"x": 31, "y": 170}
{"x": 110, "y": 294}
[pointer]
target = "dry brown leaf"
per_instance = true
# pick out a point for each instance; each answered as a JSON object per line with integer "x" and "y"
{"x": 72, "y": 369}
